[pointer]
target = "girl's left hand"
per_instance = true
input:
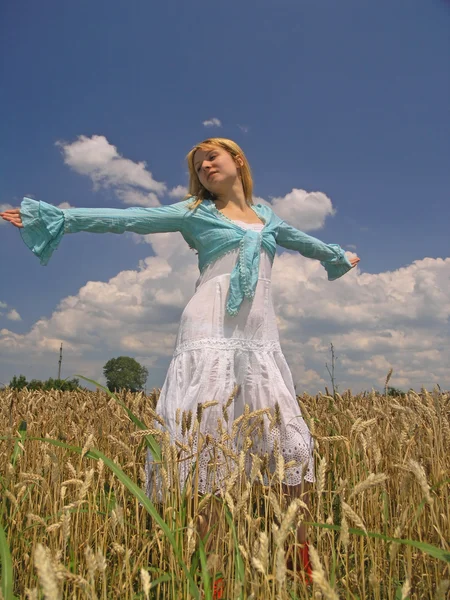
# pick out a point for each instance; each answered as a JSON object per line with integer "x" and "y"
{"x": 354, "y": 260}
{"x": 13, "y": 216}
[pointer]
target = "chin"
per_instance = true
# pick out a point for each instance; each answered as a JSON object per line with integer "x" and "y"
{"x": 213, "y": 190}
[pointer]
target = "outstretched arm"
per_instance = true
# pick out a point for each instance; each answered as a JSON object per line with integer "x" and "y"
{"x": 331, "y": 256}
{"x": 42, "y": 225}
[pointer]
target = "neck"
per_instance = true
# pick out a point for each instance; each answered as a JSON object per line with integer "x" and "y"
{"x": 234, "y": 196}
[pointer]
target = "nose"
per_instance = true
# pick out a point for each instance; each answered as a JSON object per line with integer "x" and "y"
{"x": 206, "y": 168}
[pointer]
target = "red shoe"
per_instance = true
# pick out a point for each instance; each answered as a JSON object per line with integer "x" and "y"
{"x": 218, "y": 587}
{"x": 303, "y": 563}
{"x": 306, "y": 563}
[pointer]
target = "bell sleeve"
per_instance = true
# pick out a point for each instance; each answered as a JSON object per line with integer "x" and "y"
{"x": 44, "y": 224}
{"x": 331, "y": 256}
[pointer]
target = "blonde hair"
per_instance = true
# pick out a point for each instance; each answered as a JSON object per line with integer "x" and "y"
{"x": 198, "y": 190}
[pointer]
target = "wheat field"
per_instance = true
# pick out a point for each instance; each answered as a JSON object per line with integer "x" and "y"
{"x": 75, "y": 522}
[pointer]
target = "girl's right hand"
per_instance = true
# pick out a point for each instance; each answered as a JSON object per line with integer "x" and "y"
{"x": 13, "y": 216}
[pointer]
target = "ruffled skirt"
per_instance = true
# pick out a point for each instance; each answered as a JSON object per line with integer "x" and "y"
{"x": 229, "y": 388}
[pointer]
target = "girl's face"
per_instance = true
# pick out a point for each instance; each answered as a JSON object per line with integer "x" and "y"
{"x": 216, "y": 169}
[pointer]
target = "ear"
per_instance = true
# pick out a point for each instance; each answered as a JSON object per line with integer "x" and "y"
{"x": 239, "y": 161}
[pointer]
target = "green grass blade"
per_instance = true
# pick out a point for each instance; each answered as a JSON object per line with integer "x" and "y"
{"x": 7, "y": 571}
{"x": 205, "y": 575}
{"x": 162, "y": 579}
{"x": 240, "y": 568}
{"x": 429, "y": 549}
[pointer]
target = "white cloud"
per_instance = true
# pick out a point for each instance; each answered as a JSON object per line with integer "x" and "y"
{"x": 302, "y": 209}
{"x": 99, "y": 160}
{"x": 13, "y": 315}
{"x": 397, "y": 318}
{"x": 137, "y": 198}
{"x": 178, "y": 192}
{"x": 214, "y": 122}
{"x": 244, "y": 128}
{"x": 135, "y": 312}
{"x": 375, "y": 321}
{"x": 65, "y": 205}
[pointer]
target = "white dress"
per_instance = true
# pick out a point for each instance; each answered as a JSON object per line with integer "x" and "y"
{"x": 214, "y": 352}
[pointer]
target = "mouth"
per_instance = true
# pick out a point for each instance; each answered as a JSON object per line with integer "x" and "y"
{"x": 211, "y": 174}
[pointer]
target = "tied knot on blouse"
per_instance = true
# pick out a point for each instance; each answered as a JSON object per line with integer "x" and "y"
{"x": 244, "y": 276}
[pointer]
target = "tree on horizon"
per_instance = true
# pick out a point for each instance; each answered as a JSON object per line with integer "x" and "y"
{"x": 126, "y": 373}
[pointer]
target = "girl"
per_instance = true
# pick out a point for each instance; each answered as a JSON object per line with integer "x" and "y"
{"x": 228, "y": 334}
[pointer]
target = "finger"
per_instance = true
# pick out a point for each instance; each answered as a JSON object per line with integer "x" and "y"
{"x": 12, "y": 211}
{"x": 16, "y": 222}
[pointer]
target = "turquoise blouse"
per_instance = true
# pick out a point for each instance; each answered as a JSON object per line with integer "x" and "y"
{"x": 205, "y": 229}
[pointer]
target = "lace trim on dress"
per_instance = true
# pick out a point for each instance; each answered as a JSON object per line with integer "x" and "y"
{"x": 219, "y": 457}
{"x": 229, "y": 344}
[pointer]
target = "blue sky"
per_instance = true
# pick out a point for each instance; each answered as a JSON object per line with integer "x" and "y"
{"x": 350, "y": 99}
